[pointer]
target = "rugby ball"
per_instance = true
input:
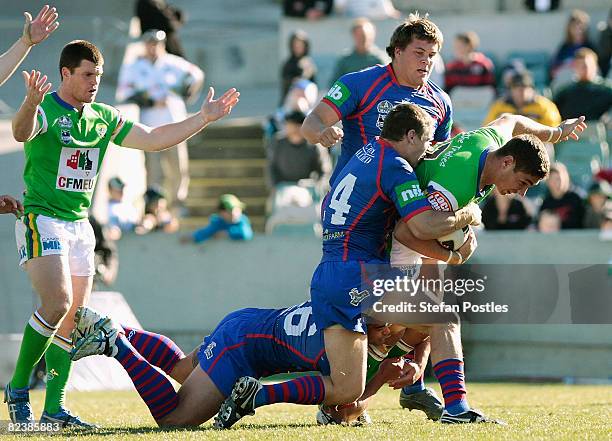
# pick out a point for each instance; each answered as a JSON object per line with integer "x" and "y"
{"x": 454, "y": 240}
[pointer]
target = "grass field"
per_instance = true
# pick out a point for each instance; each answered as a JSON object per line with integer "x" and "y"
{"x": 533, "y": 412}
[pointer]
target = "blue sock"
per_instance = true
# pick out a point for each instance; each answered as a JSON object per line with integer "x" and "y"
{"x": 418, "y": 386}
{"x": 452, "y": 381}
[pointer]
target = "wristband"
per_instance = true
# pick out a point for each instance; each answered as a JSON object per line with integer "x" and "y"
{"x": 450, "y": 256}
{"x": 460, "y": 259}
{"x": 552, "y": 132}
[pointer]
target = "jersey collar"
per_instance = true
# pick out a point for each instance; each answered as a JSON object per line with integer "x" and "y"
{"x": 481, "y": 164}
{"x": 383, "y": 142}
{"x": 61, "y": 102}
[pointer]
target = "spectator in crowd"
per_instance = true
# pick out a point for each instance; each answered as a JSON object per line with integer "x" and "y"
{"x": 292, "y": 158}
{"x": 230, "y": 221}
{"x": 156, "y": 217}
{"x": 605, "y": 45}
{"x": 298, "y": 65}
{"x": 9, "y": 204}
{"x": 364, "y": 54}
{"x": 549, "y": 222}
{"x": 106, "y": 260}
{"x": 158, "y": 15}
{"x": 469, "y": 68}
{"x": 122, "y": 216}
{"x": 576, "y": 37}
{"x": 506, "y": 212}
{"x": 34, "y": 31}
{"x": 372, "y": 9}
{"x": 522, "y": 99}
{"x": 310, "y": 9}
{"x": 159, "y": 83}
{"x": 561, "y": 199}
{"x": 298, "y": 173}
{"x": 599, "y": 205}
{"x": 589, "y": 95}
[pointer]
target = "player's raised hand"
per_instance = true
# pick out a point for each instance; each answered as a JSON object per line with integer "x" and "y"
{"x": 8, "y": 204}
{"x": 572, "y": 128}
{"x": 213, "y": 110}
{"x": 36, "y": 87}
{"x": 38, "y": 29}
{"x": 330, "y": 136}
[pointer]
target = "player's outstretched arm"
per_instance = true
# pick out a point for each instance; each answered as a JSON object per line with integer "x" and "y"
{"x": 318, "y": 127}
{"x": 25, "y": 124}
{"x": 34, "y": 31}
{"x": 8, "y": 204}
{"x": 514, "y": 125}
{"x": 168, "y": 135}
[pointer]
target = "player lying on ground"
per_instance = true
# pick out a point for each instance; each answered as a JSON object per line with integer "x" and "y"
{"x": 508, "y": 154}
{"x": 249, "y": 342}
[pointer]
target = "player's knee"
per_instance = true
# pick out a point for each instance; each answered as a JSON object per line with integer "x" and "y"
{"x": 346, "y": 393}
{"x": 56, "y": 311}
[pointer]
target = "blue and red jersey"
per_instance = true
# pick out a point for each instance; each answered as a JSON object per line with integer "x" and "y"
{"x": 263, "y": 342}
{"x": 375, "y": 188}
{"x": 363, "y": 99}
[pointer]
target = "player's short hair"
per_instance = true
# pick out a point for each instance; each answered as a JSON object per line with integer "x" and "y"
{"x": 470, "y": 38}
{"x": 403, "y": 118}
{"x": 415, "y": 26}
{"x": 584, "y": 52}
{"x": 529, "y": 155}
{"x": 76, "y": 51}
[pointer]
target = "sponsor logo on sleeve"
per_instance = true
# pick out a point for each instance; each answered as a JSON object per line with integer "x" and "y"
{"x": 408, "y": 192}
{"x": 338, "y": 94}
{"x": 438, "y": 201}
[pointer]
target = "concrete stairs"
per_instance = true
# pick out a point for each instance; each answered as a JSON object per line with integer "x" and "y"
{"x": 227, "y": 158}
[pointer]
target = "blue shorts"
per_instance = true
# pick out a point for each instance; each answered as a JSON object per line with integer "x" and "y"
{"x": 223, "y": 354}
{"x": 339, "y": 291}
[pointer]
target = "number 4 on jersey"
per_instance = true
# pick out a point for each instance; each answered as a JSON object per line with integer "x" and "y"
{"x": 339, "y": 200}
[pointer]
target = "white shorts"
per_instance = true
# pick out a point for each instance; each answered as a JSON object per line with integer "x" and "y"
{"x": 39, "y": 235}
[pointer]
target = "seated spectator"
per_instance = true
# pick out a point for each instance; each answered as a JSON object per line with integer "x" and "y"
{"x": 506, "y": 212}
{"x": 230, "y": 221}
{"x": 298, "y": 172}
{"x": 469, "y": 68}
{"x": 299, "y": 64}
{"x": 292, "y": 158}
{"x": 589, "y": 95}
{"x": 157, "y": 216}
{"x": 549, "y": 222}
{"x": 364, "y": 54}
{"x": 310, "y": 9}
{"x": 522, "y": 99}
{"x": 599, "y": 205}
{"x": 122, "y": 216}
{"x": 576, "y": 37}
{"x": 561, "y": 199}
{"x": 605, "y": 45}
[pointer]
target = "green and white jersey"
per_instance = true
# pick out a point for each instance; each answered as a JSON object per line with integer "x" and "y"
{"x": 376, "y": 357}
{"x": 63, "y": 160}
{"x": 451, "y": 174}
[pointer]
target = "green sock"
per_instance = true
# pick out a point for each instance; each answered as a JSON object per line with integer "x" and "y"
{"x": 59, "y": 365}
{"x": 37, "y": 337}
